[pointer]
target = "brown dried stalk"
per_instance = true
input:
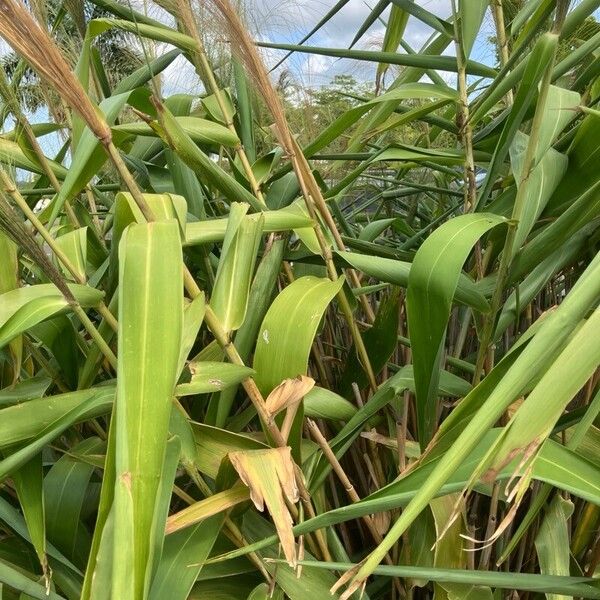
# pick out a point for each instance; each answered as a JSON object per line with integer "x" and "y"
{"x": 245, "y": 49}
{"x": 23, "y": 33}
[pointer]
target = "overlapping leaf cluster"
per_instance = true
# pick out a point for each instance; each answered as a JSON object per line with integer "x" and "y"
{"x": 233, "y": 367}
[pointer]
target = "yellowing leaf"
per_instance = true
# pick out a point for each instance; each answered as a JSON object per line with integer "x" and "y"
{"x": 269, "y": 474}
{"x": 289, "y": 392}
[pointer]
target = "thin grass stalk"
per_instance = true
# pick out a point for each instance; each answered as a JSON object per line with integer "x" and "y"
{"x": 14, "y": 228}
{"x": 11, "y": 189}
{"x": 519, "y": 205}
{"x": 501, "y": 40}
{"x": 205, "y": 71}
{"x": 465, "y": 130}
{"x": 13, "y": 105}
{"x": 349, "y": 489}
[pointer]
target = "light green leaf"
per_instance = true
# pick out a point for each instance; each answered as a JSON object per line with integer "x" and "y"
{"x": 552, "y": 542}
{"x": 208, "y": 377}
{"x": 150, "y": 330}
{"x": 200, "y": 130}
{"x": 74, "y": 245}
{"x": 471, "y": 16}
{"x": 432, "y": 282}
{"x": 229, "y": 299}
{"x": 288, "y": 329}
{"x": 24, "y": 307}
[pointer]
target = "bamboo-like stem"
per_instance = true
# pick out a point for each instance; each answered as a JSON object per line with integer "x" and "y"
{"x": 486, "y": 552}
{"x": 519, "y": 205}
{"x": 206, "y": 73}
{"x": 501, "y": 40}
{"x": 349, "y": 488}
{"x": 128, "y": 179}
{"x": 313, "y": 198}
{"x": 95, "y": 335}
{"x": 94, "y": 208}
{"x": 15, "y": 108}
{"x": 465, "y": 130}
{"x": 12, "y": 190}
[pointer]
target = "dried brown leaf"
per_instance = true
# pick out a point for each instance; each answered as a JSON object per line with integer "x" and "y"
{"x": 288, "y": 392}
{"x": 269, "y": 474}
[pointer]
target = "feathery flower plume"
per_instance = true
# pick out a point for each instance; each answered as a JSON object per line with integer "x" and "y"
{"x": 29, "y": 40}
{"x": 14, "y": 228}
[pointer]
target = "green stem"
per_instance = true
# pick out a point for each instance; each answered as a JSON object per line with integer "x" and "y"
{"x": 95, "y": 335}
{"x": 518, "y": 208}
{"x": 14, "y": 193}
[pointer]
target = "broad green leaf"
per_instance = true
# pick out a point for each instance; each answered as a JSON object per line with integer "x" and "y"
{"x": 534, "y": 420}
{"x": 397, "y": 272}
{"x": 74, "y": 245}
{"x": 9, "y": 280}
{"x": 559, "y": 110}
{"x": 28, "y": 482}
{"x": 552, "y": 542}
{"x": 183, "y": 555}
{"x": 288, "y": 329}
{"x": 229, "y": 299}
{"x": 24, "y": 307}
{"x": 422, "y": 14}
{"x": 440, "y": 63}
{"x": 28, "y": 420}
{"x": 581, "y": 175}
{"x": 213, "y": 230}
{"x": 321, "y": 403}
{"x": 159, "y": 33}
{"x": 27, "y": 389}
{"x": 449, "y": 551}
{"x": 573, "y": 586}
{"x": 193, "y": 315}
{"x": 12, "y": 155}
{"x": 537, "y": 63}
{"x": 150, "y": 330}
{"x": 14, "y": 578}
{"x": 432, "y": 283}
{"x": 393, "y": 34}
{"x": 471, "y": 16}
{"x": 142, "y": 75}
{"x": 201, "y": 131}
{"x": 208, "y": 377}
{"x": 65, "y": 492}
{"x": 261, "y": 293}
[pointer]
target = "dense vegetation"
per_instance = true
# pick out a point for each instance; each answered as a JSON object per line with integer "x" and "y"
{"x": 261, "y": 343}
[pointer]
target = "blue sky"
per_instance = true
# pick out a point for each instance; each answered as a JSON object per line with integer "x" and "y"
{"x": 287, "y": 21}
